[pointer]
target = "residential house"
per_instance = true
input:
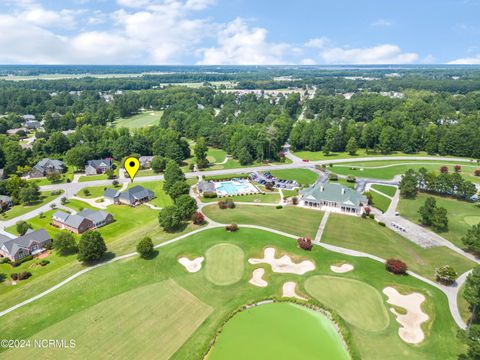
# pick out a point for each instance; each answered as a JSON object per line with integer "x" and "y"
{"x": 47, "y": 166}
{"x": 5, "y": 202}
{"x": 145, "y": 162}
{"x": 95, "y": 167}
{"x": 84, "y": 220}
{"x": 335, "y": 197}
{"x": 32, "y": 243}
{"x": 32, "y": 124}
{"x": 134, "y": 196}
{"x": 206, "y": 187}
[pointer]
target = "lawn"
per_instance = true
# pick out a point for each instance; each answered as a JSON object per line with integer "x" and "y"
{"x": 367, "y": 236}
{"x": 145, "y": 118}
{"x": 273, "y": 197}
{"x": 226, "y": 176}
{"x": 461, "y": 214}
{"x": 95, "y": 191}
{"x": 292, "y": 220}
{"x": 302, "y": 176}
{"x": 18, "y": 210}
{"x": 386, "y": 170}
{"x": 279, "y": 331}
{"x": 131, "y": 295}
{"x": 216, "y": 155}
{"x": 380, "y": 202}
{"x": 224, "y": 264}
{"x": 161, "y": 198}
{"x": 386, "y": 189}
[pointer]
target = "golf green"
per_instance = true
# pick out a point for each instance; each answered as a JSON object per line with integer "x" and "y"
{"x": 279, "y": 331}
{"x": 224, "y": 264}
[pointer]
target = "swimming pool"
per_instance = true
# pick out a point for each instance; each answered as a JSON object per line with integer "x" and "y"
{"x": 234, "y": 187}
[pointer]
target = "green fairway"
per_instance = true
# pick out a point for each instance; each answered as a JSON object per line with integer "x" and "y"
{"x": 273, "y": 197}
{"x": 18, "y": 210}
{"x": 302, "y": 176}
{"x": 119, "y": 291}
{"x": 216, "y": 155}
{"x": 279, "y": 331}
{"x": 224, "y": 264}
{"x": 461, "y": 214}
{"x": 380, "y": 202}
{"x": 292, "y": 220}
{"x": 386, "y": 189}
{"x": 386, "y": 170}
{"x": 358, "y": 303}
{"x": 156, "y": 319}
{"x": 145, "y": 118}
{"x": 366, "y": 235}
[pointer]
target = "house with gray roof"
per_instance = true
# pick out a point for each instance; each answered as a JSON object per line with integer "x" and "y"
{"x": 134, "y": 196}
{"x": 5, "y": 202}
{"x": 145, "y": 162}
{"x": 32, "y": 243}
{"x": 84, "y": 220}
{"x": 206, "y": 187}
{"x": 47, "y": 166}
{"x": 336, "y": 197}
{"x": 95, "y": 167}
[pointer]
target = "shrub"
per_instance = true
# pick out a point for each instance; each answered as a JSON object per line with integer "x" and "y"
{"x": 53, "y": 206}
{"x": 44, "y": 262}
{"x": 22, "y": 227}
{"x": 145, "y": 247}
{"x": 279, "y": 207}
{"x": 446, "y": 275}
{"x": 21, "y": 261}
{"x": 86, "y": 192}
{"x": 63, "y": 200}
{"x": 458, "y": 168}
{"x": 231, "y": 227}
{"x": 396, "y": 266}
{"x": 333, "y": 177}
{"x": 444, "y": 169}
{"x": 295, "y": 200}
{"x": 222, "y": 204}
{"x": 4, "y": 260}
{"x": 209, "y": 195}
{"x": 14, "y": 276}
{"x": 41, "y": 215}
{"x": 477, "y": 172}
{"x": 367, "y": 210}
{"x": 115, "y": 183}
{"x": 371, "y": 216}
{"x": 56, "y": 192}
{"x": 24, "y": 275}
{"x": 305, "y": 243}
{"x": 198, "y": 218}
{"x": 381, "y": 223}
{"x": 351, "y": 179}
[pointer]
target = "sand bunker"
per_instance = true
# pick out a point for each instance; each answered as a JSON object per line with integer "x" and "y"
{"x": 257, "y": 278}
{"x": 289, "y": 290}
{"x": 344, "y": 268}
{"x": 283, "y": 264}
{"x": 192, "y": 266}
{"x": 411, "y": 331}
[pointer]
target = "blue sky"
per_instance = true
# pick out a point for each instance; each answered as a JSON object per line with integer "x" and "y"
{"x": 239, "y": 32}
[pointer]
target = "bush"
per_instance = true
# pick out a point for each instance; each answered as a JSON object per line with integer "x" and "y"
{"x": 226, "y": 204}
{"x": 24, "y": 275}
{"x": 458, "y": 168}
{"x": 446, "y": 275}
{"x": 209, "y": 195}
{"x": 86, "y": 192}
{"x": 333, "y": 177}
{"x": 56, "y": 192}
{"x": 115, "y": 183}
{"x": 381, "y": 223}
{"x": 477, "y": 172}
{"x": 279, "y": 207}
{"x": 444, "y": 169}
{"x": 145, "y": 247}
{"x": 295, "y": 200}
{"x": 231, "y": 227}
{"x": 396, "y": 266}
{"x": 63, "y": 200}
{"x": 22, "y": 227}
{"x": 351, "y": 179}
{"x": 198, "y": 218}
{"x": 14, "y": 276}
{"x": 4, "y": 260}
{"x": 21, "y": 261}
{"x": 305, "y": 243}
{"x": 371, "y": 216}
{"x": 44, "y": 262}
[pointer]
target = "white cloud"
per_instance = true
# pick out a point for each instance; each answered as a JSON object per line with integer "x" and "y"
{"x": 134, "y": 3}
{"x": 381, "y": 54}
{"x": 317, "y": 43}
{"x": 199, "y": 4}
{"x": 382, "y": 23}
{"x": 237, "y": 43}
{"x": 473, "y": 60}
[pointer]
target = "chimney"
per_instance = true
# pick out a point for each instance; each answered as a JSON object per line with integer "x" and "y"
{"x": 321, "y": 188}
{"x": 343, "y": 191}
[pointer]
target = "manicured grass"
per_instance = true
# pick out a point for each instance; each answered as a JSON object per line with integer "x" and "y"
{"x": 386, "y": 189}
{"x": 132, "y": 315}
{"x": 161, "y": 198}
{"x": 355, "y": 301}
{"x": 279, "y": 331}
{"x": 292, "y": 220}
{"x": 216, "y": 155}
{"x": 146, "y": 118}
{"x": 366, "y": 235}
{"x": 302, "y": 176}
{"x": 380, "y": 202}
{"x": 18, "y": 210}
{"x": 386, "y": 170}
{"x": 75, "y": 302}
{"x": 273, "y": 197}
{"x": 463, "y": 305}
{"x": 344, "y": 182}
{"x": 460, "y": 214}
{"x": 289, "y": 193}
{"x": 95, "y": 191}
{"x": 224, "y": 264}
{"x": 235, "y": 164}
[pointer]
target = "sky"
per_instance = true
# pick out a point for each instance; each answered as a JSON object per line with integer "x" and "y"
{"x": 239, "y": 32}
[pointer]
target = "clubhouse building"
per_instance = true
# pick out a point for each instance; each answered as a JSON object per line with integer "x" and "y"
{"x": 333, "y": 197}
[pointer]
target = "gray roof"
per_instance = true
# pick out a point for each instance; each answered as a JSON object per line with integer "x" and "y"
{"x": 206, "y": 186}
{"x": 73, "y": 221}
{"x": 49, "y": 163}
{"x": 100, "y": 163}
{"x": 111, "y": 193}
{"x": 145, "y": 159}
{"x": 13, "y": 245}
{"x": 334, "y": 192}
{"x": 5, "y": 198}
{"x": 136, "y": 193}
{"x": 95, "y": 216}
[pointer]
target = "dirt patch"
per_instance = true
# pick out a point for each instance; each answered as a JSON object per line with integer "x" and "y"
{"x": 288, "y": 290}
{"x": 257, "y": 278}
{"x": 192, "y": 266}
{"x": 344, "y": 268}
{"x": 411, "y": 331}
{"x": 283, "y": 264}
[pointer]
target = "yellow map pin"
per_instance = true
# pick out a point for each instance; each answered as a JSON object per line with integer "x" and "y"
{"x": 131, "y": 165}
